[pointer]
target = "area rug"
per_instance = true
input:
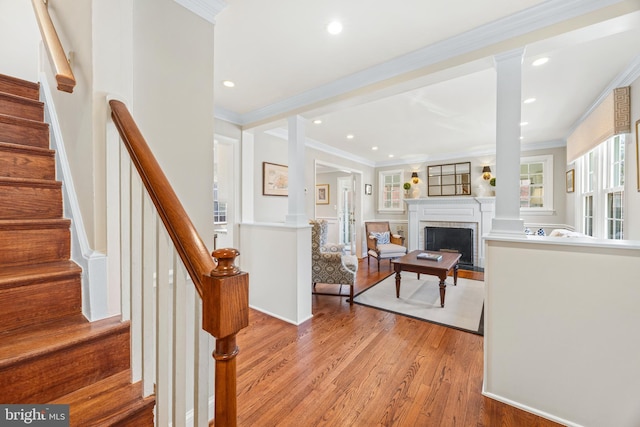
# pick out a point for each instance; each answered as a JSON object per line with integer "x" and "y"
{"x": 420, "y": 299}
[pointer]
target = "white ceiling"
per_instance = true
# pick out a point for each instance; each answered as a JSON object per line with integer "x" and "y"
{"x": 415, "y": 78}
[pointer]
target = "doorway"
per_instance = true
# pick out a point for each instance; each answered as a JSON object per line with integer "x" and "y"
{"x": 344, "y": 214}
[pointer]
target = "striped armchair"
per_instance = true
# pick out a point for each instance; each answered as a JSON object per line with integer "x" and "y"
{"x": 329, "y": 264}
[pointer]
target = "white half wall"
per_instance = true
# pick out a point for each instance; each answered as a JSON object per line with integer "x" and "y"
{"x": 278, "y": 259}
{"x": 561, "y": 317}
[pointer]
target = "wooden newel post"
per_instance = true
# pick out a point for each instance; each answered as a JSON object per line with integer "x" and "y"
{"x": 225, "y": 313}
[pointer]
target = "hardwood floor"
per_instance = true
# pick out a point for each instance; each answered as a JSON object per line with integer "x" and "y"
{"x": 356, "y": 366}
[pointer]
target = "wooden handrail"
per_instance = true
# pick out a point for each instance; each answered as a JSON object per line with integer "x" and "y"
{"x": 223, "y": 288}
{"x": 53, "y": 46}
{"x": 189, "y": 245}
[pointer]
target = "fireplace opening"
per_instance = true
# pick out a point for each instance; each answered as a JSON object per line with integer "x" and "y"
{"x": 451, "y": 239}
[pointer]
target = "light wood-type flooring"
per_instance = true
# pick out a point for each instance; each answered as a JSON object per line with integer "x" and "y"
{"x": 356, "y": 366}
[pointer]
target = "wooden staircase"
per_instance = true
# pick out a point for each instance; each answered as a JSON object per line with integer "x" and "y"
{"x": 49, "y": 353}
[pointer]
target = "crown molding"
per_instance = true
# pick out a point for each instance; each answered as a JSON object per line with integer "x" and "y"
{"x": 206, "y": 9}
{"x": 518, "y": 24}
{"x": 312, "y": 143}
{"x": 227, "y": 115}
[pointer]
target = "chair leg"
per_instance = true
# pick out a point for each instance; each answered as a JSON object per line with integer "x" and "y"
{"x": 378, "y": 265}
{"x": 351, "y": 293}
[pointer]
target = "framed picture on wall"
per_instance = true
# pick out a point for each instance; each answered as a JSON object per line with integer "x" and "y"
{"x": 368, "y": 189}
{"x": 322, "y": 194}
{"x": 570, "y": 181}
{"x": 275, "y": 180}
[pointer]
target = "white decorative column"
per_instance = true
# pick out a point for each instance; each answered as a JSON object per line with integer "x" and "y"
{"x": 296, "y": 215}
{"x": 508, "y": 115}
{"x": 413, "y": 229}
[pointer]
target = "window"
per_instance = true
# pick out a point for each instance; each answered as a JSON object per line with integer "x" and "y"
{"x": 219, "y": 208}
{"x": 390, "y": 196}
{"x": 602, "y": 190}
{"x": 536, "y": 183}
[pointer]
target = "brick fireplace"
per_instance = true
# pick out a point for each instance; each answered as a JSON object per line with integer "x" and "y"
{"x": 474, "y": 213}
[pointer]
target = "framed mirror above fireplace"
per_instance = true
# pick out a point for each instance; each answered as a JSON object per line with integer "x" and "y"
{"x": 453, "y": 179}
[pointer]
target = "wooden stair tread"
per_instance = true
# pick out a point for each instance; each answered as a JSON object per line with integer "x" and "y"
{"x": 106, "y": 402}
{"x": 29, "y": 182}
{"x": 16, "y": 86}
{"x": 19, "y": 106}
{"x": 8, "y": 146}
{"x": 39, "y": 340}
{"x": 37, "y": 273}
{"x": 36, "y": 124}
{"x": 29, "y": 224}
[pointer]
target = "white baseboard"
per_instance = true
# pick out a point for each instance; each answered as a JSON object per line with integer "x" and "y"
{"x": 284, "y": 319}
{"x": 530, "y": 409}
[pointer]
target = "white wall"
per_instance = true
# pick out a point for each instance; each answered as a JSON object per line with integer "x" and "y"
{"x": 73, "y": 21}
{"x": 270, "y": 149}
{"x": 173, "y": 101}
{"x": 20, "y": 40}
{"x": 559, "y": 315}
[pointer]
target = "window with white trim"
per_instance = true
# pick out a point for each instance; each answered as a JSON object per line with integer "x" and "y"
{"x": 536, "y": 183}
{"x": 601, "y": 189}
{"x": 390, "y": 194}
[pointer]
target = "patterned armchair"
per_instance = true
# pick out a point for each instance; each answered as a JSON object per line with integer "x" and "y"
{"x": 381, "y": 244}
{"x": 328, "y": 262}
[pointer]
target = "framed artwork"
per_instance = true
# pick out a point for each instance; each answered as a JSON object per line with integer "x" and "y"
{"x": 368, "y": 189}
{"x": 570, "y": 180}
{"x": 638, "y": 153}
{"x": 275, "y": 179}
{"x": 322, "y": 194}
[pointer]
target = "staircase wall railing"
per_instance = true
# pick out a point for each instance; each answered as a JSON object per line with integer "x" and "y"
{"x": 59, "y": 62}
{"x": 160, "y": 253}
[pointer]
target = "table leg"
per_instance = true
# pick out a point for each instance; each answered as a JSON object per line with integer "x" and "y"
{"x": 443, "y": 288}
{"x": 455, "y": 275}
{"x": 398, "y": 284}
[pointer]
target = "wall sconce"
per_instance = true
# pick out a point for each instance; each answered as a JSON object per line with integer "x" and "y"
{"x": 486, "y": 173}
{"x": 414, "y": 177}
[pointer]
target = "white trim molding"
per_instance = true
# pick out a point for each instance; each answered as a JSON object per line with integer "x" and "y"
{"x": 93, "y": 263}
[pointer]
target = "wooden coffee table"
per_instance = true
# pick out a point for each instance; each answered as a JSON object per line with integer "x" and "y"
{"x": 441, "y": 268}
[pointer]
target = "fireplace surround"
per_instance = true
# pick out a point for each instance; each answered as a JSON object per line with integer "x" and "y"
{"x": 474, "y": 213}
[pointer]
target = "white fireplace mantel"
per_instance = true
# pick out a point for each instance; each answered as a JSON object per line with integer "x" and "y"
{"x": 463, "y": 209}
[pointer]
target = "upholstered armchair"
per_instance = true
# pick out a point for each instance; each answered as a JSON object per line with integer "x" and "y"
{"x": 381, "y": 243}
{"x": 328, "y": 262}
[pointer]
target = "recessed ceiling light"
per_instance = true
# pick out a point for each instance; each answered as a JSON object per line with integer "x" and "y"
{"x": 317, "y": 121}
{"x": 524, "y": 123}
{"x": 522, "y": 137}
{"x": 228, "y": 83}
{"x": 390, "y": 155}
{"x": 529, "y": 100}
{"x": 350, "y": 136}
{"x": 540, "y": 61}
{"x": 334, "y": 27}
{"x": 374, "y": 148}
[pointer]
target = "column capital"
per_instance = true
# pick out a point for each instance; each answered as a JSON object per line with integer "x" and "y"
{"x": 508, "y": 55}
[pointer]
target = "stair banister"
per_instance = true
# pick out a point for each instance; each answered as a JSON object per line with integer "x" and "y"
{"x": 224, "y": 290}
{"x": 64, "y": 75}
